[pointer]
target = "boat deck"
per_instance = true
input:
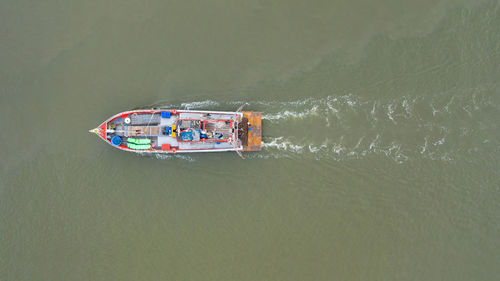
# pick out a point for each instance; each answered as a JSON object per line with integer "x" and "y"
{"x": 169, "y": 131}
{"x": 252, "y": 125}
{"x": 141, "y": 131}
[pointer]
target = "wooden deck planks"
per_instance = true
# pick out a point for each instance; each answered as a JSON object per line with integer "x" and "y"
{"x": 141, "y": 131}
{"x": 254, "y": 135}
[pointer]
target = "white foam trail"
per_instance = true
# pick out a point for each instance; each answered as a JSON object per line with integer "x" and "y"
{"x": 280, "y": 147}
{"x": 338, "y": 148}
{"x": 199, "y": 104}
{"x": 405, "y": 105}
{"x": 184, "y": 157}
{"x": 372, "y": 113}
{"x": 434, "y": 110}
{"x": 407, "y": 108}
{"x": 162, "y": 156}
{"x": 394, "y": 146}
{"x": 374, "y": 142}
{"x": 323, "y": 148}
{"x": 331, "y": 107}
{"x": 439, "y": 142}
{"x": 172, "y": 156}
{"x": 390, "y": 111}
{"x": 424, "y": 148}
{"x": 359, "y": 142}
{"x": 313, "y": 149}
{"x": 410, "y": 113}
{"x": 291, "y": 114}
{"x": 447, "y": 106}
{"x": 282, "y": 144}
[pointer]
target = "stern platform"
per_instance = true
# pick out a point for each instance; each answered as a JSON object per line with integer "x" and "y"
{"x": 252, "y": 131}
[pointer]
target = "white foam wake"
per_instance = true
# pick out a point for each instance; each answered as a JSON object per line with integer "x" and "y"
{"x": 282, "y": 144}
{"x": 200, "y": 104}
{"x": 288, "y": 114}
{"x": 402, "y": 128}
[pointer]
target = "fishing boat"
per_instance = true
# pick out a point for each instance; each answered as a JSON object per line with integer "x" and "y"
{"x": 182, "y": 131}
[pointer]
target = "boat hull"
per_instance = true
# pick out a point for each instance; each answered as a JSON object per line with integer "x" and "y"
{"x": 168, "y": 131}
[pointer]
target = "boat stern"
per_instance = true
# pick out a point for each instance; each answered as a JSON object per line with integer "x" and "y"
{"x": 252, "y": 131}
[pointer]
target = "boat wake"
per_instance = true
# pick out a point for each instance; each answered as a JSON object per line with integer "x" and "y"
{"x": 444, "y": 127}
{"x": 184, "y": 157}
{"x": 287, "y": 148}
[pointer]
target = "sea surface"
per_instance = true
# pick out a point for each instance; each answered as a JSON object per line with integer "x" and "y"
{"x": 381, "y": 140}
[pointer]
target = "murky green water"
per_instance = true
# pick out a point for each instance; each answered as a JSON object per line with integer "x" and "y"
{"x": 381, "y": 140}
